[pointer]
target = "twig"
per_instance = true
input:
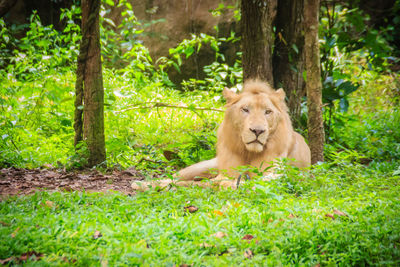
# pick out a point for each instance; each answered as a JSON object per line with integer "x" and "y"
{"x": 150, "y": 160}
{"x": 150, "y": 105}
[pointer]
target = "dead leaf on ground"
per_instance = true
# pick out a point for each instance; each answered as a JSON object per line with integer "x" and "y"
{"x": 97, "y": 235}
{"x": 4, "y": 224}
{"x": 30, "y": 255}
{"x": 218, "y": 212}
{"x": 248, "y": 254}
{"x": 291, "y": 216}
{"x": 184, "y": 265}
{"x": 247, "y": 237}
{"x": 340, "y": 213}
{"x": 219, "y": 234}
{"x": 170, "y": 155}
{"x": 49, "y": 203}
{"x": 13, "y": 234}
{"x": 191, "y": 209}
{"x": 5, "y": 261}
{"x": 328, "y": 215}
{"x": 270, "y": 220}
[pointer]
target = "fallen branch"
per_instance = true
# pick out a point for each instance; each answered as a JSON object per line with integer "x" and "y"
{"x": 150, "y": 105}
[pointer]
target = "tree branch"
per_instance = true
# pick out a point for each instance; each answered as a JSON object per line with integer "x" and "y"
{"x": 150, "y": 105}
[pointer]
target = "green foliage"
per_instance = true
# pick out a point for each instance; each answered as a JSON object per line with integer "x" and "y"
{"x": 120, "y": 44}
{"x": 219, "y": 73}
{"x": 347, "y": 39}
{"x": 375, "y": 136}
{"x": 79, "y": 159}
{"x": 42, "y": 49}
{"x": 223, "y": 9}
{"x": 36, "y": 120}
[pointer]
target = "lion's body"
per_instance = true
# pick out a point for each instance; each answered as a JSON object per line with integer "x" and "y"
{"x": 256, "y": 130}
{"x": 278, "y": 139}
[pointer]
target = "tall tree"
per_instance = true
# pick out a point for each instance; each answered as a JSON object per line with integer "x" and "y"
{"x": 257, "y": 38}
{"x": 288, "y": 58}
{"x": 89, "y": 100}
{"x": 313, "y": 80}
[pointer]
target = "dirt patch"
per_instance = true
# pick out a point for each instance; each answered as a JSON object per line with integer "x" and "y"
{"x": 15, "y": 181}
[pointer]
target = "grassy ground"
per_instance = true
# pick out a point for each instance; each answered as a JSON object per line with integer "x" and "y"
{"x": 341, "y": 214}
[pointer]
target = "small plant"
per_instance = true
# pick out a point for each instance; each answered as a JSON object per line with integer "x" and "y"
{"x": 79, "y": 159}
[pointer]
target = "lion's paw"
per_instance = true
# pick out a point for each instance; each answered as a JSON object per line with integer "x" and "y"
{"x": 143, "y": 186}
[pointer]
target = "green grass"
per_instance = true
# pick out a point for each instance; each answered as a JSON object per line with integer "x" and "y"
{"x": 287, "y": 218}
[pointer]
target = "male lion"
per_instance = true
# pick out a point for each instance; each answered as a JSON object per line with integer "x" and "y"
{"x": 255, "y": 131}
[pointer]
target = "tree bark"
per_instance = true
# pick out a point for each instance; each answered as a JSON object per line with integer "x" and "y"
{"x": 316, "y": 134}
{"x": 5, "y": 6}
{"x": 89, "y": 83}
{"x": 288, "y": 59}
{"x": 257, "y": 38}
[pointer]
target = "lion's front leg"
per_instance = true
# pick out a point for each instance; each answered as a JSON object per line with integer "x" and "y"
{"x": 228, "y": 163}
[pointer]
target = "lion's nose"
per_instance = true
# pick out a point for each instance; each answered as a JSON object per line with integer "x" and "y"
{"x": 257, "y": 132}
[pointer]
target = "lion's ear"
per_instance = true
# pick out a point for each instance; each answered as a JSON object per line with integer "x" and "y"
{"x": 229, "y": 95}
{"x": 281, "y": 94}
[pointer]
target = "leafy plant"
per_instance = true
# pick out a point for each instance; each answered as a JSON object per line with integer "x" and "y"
{"x": 42, "y": 48}
{"x": 346, "y": 38}
{"x": 219, "y": 74}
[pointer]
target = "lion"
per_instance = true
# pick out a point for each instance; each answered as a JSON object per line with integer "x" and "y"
{"x": 256, "y": 131}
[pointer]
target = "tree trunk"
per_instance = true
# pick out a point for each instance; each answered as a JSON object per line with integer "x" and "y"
{"x": 257, "y": 33}
{"x": 313, "y": 81}
{"x": 89, "y": 78}
{"x": 288, "y": 58}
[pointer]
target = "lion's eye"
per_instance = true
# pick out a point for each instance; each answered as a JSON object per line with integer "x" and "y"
{"x": 245, "y": 110}
{"x": 268, "y": 111}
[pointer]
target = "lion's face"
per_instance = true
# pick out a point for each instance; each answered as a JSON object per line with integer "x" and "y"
{"x": 254, "y": 116}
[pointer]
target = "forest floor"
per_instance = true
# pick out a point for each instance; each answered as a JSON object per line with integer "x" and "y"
{"x": 19, "y": 181}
